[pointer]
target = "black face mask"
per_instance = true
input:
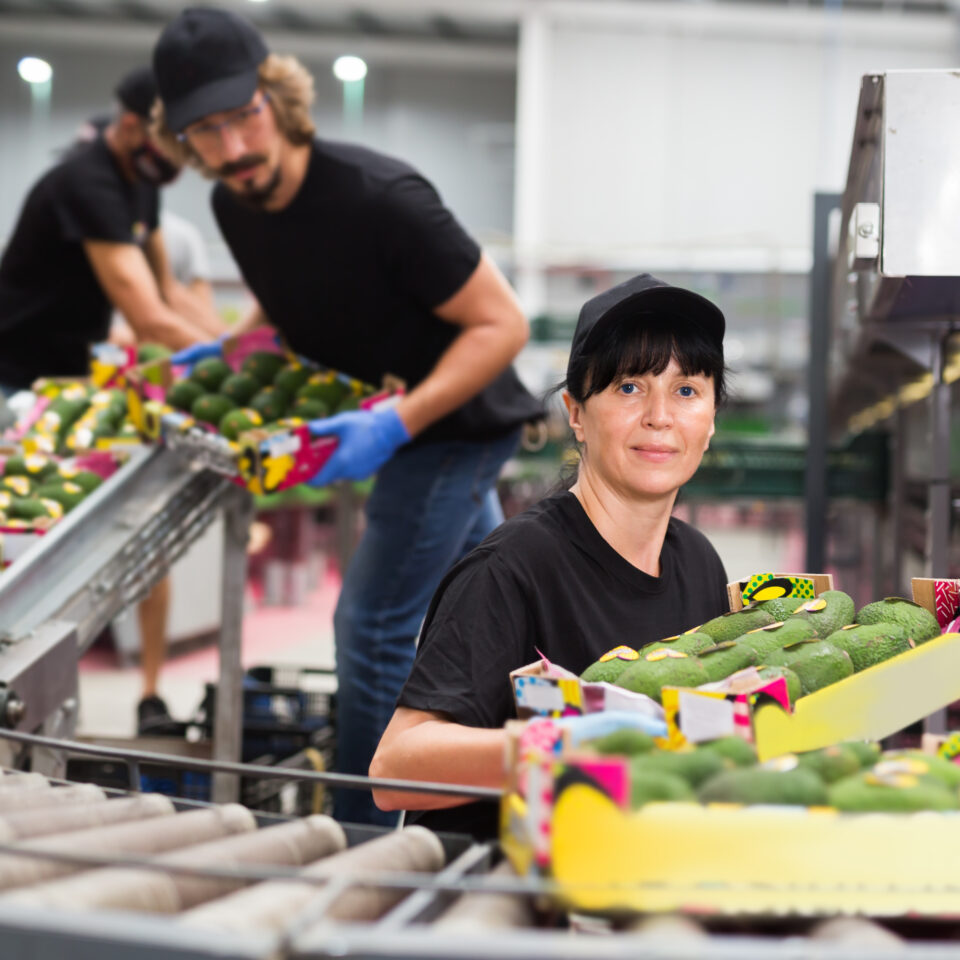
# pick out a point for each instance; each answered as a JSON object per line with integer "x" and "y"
{"x": 153, "y": 167}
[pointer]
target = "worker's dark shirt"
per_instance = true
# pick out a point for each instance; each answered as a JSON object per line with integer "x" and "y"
{"x": 352, "y": 269}
{"x": 52, "y": 307}
{"x": 546, "y": 581}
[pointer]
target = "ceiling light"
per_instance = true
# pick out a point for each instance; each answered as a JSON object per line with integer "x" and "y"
{"x": 349, "y": 69}
{"x": 34, "y": 70}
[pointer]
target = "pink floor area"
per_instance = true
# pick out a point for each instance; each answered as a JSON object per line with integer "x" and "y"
{"x": 268, "y": 632}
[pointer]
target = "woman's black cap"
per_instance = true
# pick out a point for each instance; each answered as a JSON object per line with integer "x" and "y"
{"x": 206, "y": 61}
{"x": 137, "y": 91}
{"x": 636, "y": 299}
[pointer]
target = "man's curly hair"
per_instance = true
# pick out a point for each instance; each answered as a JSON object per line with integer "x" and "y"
{"x": 287, "y": 83}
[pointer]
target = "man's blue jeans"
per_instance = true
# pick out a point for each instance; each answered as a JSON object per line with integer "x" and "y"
{"x": 430, "y": 506}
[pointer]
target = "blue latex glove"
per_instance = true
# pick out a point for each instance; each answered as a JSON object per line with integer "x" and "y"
{"x": 189, "y": 356}
{"x": 368, "y": 439}
{"x": 593, "y": 725}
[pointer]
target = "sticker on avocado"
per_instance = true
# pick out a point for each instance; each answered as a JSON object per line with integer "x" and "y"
{"x": 904, "y": 766}
{"x": 692, "y": 629}
{"x": 620, "y": 653}
{"x": 812, "y": 606}
{"x": 782, "y": 764}
{"x": 769, "y": 586}
{"x": 663, "y": 653}
{"x": 769, "y": 626}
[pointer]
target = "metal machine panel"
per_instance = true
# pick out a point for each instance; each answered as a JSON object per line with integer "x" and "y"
{"x": 921, "y": 174}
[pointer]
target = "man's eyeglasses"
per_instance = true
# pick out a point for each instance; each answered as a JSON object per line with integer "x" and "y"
{"x": 241, "y": 121}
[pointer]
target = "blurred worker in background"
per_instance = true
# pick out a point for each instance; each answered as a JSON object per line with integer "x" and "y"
{"x": 88, "y": 242}
{"x": 354, "y": 258}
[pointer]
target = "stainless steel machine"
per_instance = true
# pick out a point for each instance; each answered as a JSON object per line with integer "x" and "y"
{"x": 104, "y": 556}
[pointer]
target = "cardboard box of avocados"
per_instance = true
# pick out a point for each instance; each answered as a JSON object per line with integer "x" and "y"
{"x": 257, "y": 441}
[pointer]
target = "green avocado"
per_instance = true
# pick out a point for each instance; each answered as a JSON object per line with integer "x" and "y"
{"x": 19, "y": 486}
{"x": 734, "y": 749}
{"x": 66, "y": 493}
{"x": 817, "y": 663}
{"x": 750, "y": 785}
{"x": 653, "y": 786}
{"x": 730, "y": 626}
{"x": 726, "y": 658}
{"x": 237, "y": 421}
{"x": 184, "y": 394}
{"x": 694, "y": 766}
{"x": 689, "y": 643}
{"x": 781, "y": 608}
{"x": 291, "y": 377}
{"x": 211, "y": 408}
{"x": 626, "y": 742}
{"x": 891, "y": 792}
{"x": 240, "y": 388}
{"x": 326, "y": 387}
{"x": 940, "y": 768}
{"x": 310, "y": 409}
{"x": 794, "y": 687}
{"x": 34, "y": 508}
{"x": 837, "y": 613}
{"x": 210, "y": 373}
{"x": 264, "y": 366}
{"x": 831, "y": 763}
{"x": 921, "y": 625}
{"x": 871, "y": 643}
{"x": 270, "y": 403}
{"x": 648, "y": 676}
{"x": 349, "y": 403}
{"x": 87, "y": 480}
{"x": 35, "y": 466}
{"x": 867, "y": 752}
{"x": 608, "y": 671}
{"x": 149, "y": 352}
{"x": 775, "y": 636}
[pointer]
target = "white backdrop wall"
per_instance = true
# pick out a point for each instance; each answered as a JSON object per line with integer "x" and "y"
{"x": 455, "y": 125}
{"x": 693, "y": 136}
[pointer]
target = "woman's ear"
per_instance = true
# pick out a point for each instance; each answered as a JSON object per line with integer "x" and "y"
{"x": 713, "y": 430}
{"x": 574, "y": 411}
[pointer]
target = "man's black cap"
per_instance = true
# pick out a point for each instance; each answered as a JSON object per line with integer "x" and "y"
{"x": 137, "y": 91}
{"x": 206, "y": 61}
{"x": 636, "y": 299}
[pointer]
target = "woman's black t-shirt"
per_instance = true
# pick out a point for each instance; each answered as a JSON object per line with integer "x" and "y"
{"x": 547, "y": 580}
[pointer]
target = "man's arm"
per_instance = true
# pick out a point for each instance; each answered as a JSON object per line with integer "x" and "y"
{"x": 494, "y": 331}
{"x": 126, "y": 278}
{"x": 198, "y": 312}
{"x": 419, "y": 745}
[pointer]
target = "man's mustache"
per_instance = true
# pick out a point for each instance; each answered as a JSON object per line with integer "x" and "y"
{"x": 238, "y": 166}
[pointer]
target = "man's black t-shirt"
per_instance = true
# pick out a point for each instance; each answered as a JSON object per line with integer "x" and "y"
{"x": 51, "y": 305}
{"x": 352, "y": 269}
{"x": 547, "y": 580}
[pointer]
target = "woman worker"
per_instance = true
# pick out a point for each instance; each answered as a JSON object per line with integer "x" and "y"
{"x": 601, "y": 564}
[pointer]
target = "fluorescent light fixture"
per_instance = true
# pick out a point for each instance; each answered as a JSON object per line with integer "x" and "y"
{"x": 349, "y": 69}
{"x": 34, "y": 70}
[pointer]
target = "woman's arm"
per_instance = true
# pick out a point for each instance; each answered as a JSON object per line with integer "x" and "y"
{"x": 419, "y": 745}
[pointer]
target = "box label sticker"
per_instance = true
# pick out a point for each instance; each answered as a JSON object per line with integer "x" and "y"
{"x": 767, "y": 586}
{"x": 537, "y": 695}
{"x": 703, "y": 717}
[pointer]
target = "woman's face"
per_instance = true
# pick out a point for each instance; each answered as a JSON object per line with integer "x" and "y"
{"x": 645, "y": 435}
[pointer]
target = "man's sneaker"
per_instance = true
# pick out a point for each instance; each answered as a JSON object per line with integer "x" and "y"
{"x": 154, "y": 720}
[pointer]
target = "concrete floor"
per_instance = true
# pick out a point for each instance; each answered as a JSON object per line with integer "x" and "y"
{"x": 297, "y": 636}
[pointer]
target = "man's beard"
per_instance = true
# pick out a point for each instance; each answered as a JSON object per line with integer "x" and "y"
{"x": 249, "y": 193}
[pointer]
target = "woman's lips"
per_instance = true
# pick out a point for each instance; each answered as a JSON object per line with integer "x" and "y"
{"x": 655, "y": 454}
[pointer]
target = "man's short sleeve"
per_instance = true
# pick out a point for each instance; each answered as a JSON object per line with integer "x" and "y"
{"x": 93, "y": 207}
{"x": 475, "y": 633}
{"x": 426, "y": 249}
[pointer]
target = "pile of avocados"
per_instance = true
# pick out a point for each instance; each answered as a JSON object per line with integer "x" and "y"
{"x": 78, "y": 417}
{"x": 35, "y": 488}
{"x": 268, "y": 390}
{"x": 810, "y": 644}
{"x": 851, "y": 777}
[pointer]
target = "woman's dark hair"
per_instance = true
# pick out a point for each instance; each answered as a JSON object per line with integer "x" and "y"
{"x": 633, "y": 349}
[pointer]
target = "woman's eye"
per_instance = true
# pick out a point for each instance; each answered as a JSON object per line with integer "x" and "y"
{"x": 687, "y": 391}
{"x": 628, "y": 388}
